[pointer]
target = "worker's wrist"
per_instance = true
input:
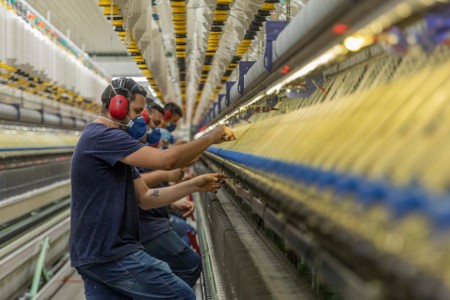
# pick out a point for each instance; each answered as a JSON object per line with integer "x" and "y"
{"x": 211, "y": 139}
{"x": 167, "y": 176}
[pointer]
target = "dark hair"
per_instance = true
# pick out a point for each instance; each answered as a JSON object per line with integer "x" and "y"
{"x": 175, "y": 109}
{"x": 152, "y": 105}
{"x": 121, "y": 86}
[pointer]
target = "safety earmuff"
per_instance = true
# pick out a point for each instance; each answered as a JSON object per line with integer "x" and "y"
{"x": 119, "y": 104}
{"x": 118, "y": 107}
{"x": 145, "y": 115}
{"x": 167, "y": 114}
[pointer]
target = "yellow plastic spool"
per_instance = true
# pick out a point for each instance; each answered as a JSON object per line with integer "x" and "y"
{"x": 267, "y": 6}
{"x": 117, "y": 23}
{"x": 115, "y": 11}
{"x": 178, "y": 10}
{"x": 179, "y": 17}
{"x": 104, "y": 3}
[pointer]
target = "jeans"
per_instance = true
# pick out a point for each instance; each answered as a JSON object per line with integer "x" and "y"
{"x": 183, "y": 261}
{"x": 180, "y": 226}
{"x": 135, "y": 276}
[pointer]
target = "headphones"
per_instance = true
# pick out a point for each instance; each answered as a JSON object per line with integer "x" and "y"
{"x": 145, "y": 115}
{"x": 118, "y": 105}
{"x": 167, "y": 114}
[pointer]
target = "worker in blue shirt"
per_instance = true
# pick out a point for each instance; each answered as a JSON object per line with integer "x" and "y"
{"x": 156, "y": 233}
{"x": 107, "y": 192}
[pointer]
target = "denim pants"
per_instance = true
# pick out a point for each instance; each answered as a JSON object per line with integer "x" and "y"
{"x": 135, "y": 276}
{"x": 180, "y": 226}
{"x": 183, "y": 261}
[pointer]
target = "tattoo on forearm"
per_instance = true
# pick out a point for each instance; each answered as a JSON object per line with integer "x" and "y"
{"x": 155, "y": 193}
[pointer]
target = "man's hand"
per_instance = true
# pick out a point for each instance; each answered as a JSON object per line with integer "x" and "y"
{"x": 221, "y": 134}
{"x": 208, "y": 182}
{"x": 183, "y": 206}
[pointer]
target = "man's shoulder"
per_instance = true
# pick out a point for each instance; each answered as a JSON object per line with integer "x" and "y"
{"x": 95, "y": 127}
{"x": 98, "y": 130}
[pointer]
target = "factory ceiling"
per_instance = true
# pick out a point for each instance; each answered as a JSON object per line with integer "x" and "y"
{"x": 184, "y": 50}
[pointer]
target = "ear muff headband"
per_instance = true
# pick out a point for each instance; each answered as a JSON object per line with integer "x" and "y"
{"x": 167, "y": 114}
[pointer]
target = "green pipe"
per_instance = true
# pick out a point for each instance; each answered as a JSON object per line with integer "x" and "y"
{"x": 39, "y": 268}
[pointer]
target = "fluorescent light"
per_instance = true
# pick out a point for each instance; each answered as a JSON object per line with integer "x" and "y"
{"x": 354, "y": 43}
{"x": 315, "y": 63}
{"x": 274, "y": 88}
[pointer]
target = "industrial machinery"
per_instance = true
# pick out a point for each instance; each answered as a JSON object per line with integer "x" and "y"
{"x": 340, "y": 159}
{"x": 45, "y": 98}
{"x": 337, "y": 183}
{"x": 34, "y": 206}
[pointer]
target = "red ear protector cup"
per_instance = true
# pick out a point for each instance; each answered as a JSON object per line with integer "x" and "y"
{"x": 118, "y": 107}
{"x": 145, "y": 115}
{"x": 167, "y": 114}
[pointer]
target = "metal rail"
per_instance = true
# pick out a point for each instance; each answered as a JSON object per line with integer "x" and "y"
{"x": 20, "y": 205}
{"x": 213, "y": 285}
{"x": 14, "y": 230}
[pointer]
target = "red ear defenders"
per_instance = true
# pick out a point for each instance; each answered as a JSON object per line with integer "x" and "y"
{"x": 145, "y": 115}
{"x": 118, "y": 105}
{"x": 167, "y": 114}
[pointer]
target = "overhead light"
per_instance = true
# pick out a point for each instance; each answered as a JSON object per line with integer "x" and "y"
{"x": 274, "y": 88}
{"x": 354, "y": 43}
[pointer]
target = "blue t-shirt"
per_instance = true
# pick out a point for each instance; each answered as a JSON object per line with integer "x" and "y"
{"x": 153, "y": 222}
{"x": 104, "y": 212}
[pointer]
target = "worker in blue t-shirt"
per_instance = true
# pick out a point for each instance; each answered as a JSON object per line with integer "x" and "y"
{"x": 156, "y": 233}
{"x": 107, "y": 192}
